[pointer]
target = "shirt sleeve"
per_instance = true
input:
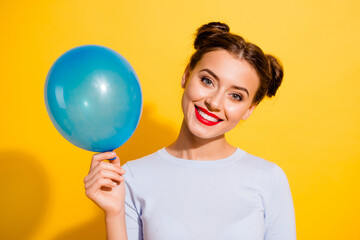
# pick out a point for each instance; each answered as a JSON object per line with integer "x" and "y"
{"x": 279, "y": 208}
{"x": 132, "y": 206}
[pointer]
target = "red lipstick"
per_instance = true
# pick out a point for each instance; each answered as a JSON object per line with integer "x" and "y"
{"x": 203, "y": 120}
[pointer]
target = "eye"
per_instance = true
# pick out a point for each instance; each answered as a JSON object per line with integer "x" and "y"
{"x": 236, "y": 97}
{"x": 206, "y": 81}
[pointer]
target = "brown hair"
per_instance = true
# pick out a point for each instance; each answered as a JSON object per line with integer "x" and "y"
{"x": 216, "y": 35}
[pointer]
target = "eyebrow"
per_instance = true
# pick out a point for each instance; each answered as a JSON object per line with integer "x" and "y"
{"x": 217, "y": 78}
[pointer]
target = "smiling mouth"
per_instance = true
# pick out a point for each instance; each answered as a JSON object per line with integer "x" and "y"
{"x": 206, "y": 117}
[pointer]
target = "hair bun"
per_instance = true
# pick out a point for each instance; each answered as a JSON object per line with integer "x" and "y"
{"x": 277, "y": 74}
{"x": 208, "y": 31}
{"x": 218, "y": 25}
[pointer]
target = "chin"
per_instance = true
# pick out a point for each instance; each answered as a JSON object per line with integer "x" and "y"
{"x": 204, "y": 133}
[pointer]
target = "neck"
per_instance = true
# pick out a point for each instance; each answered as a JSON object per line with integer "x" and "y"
{"x": 189, "y": 146}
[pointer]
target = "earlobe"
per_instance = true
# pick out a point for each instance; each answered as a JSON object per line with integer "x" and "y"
{"x": 249, "y": 112}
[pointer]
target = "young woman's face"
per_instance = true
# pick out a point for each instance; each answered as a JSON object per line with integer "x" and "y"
{"x": 218, "y": 94}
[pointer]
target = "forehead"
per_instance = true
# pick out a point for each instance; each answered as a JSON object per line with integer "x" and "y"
{"x": 229, "y": 68}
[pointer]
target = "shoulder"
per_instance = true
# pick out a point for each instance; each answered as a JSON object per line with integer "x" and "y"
{"x": 257, "y": 163}
{"x": 264, "y": 170}
{"x": 272, "y": 175}
{"x": 143, "y": 165}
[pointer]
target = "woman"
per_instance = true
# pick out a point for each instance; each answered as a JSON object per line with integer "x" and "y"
{"x": 200, "y": 186}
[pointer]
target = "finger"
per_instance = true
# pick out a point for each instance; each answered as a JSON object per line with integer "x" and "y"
{"x": 116, "y": 161}
{"x": 106, "y": 174}
{"x": 96, "y": 158}
{"x": 94, "y": 188}
{"x": 104, "y": 182}
{"x": 104, "y": 165}
{"x": 107, "y": 166}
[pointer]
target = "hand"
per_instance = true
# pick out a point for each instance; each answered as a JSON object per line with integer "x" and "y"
{"x": 104, "y": 184}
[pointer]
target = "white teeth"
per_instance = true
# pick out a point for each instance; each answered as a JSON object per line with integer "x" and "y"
{"x": 207, "y": 117}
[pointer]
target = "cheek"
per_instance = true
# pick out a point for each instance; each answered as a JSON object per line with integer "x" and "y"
{"x": 183, "y": 102}
{"x": 193, "y": 93}
{"x": 187, "y": 99}
{"x": 235, "y": 113}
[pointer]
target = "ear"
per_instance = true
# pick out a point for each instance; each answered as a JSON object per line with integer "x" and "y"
{"x": 249, "y": 112}
{"x": 185, "y": 77}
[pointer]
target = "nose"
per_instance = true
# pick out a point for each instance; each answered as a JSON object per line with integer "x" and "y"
{"x": 214, "y": 102}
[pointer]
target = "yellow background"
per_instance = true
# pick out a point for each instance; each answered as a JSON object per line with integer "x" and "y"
{"x": 310, "y": 129}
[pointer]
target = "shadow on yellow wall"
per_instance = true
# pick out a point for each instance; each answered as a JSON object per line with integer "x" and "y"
{"x": 150, "y": 136}
{"x": 24, "y": 194}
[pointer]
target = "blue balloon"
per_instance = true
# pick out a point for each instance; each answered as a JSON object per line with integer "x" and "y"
{"x": 93, "y": 97}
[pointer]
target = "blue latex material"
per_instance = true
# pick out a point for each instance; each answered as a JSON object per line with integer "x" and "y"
{"x": 93, "y": 98}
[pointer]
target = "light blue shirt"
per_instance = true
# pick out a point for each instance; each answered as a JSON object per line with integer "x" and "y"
{"x": 240, "y": 197}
